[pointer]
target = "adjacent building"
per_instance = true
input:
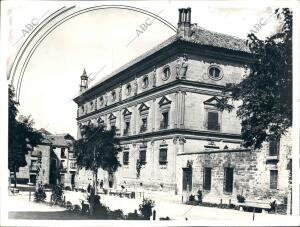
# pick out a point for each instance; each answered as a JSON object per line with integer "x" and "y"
{"x": 51, "y": 162}
{"x": 164, "y": 106}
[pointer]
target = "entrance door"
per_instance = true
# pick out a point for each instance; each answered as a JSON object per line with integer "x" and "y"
{"x": 187, "y": 179}
{"x": 73, "y": 179}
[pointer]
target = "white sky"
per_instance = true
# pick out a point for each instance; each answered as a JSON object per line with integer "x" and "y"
{"x": 98, "y": 40}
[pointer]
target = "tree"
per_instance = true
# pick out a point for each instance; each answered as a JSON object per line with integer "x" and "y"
{"x": 22, "y": 137}
{"x": 266, "y": 92}
{"x": 98, "y": 148}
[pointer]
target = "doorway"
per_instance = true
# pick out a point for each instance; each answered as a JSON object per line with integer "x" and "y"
{"x": 73, "y": 179}
{"x": 33, "y": 179}
{"x": 187, "y": 179}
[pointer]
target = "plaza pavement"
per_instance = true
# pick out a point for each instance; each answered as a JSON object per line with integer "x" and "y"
{"x": 19, "y": 207}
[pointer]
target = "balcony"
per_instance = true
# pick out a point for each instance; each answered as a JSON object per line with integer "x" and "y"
{"x": 270, "y": 159}
{"x": 163, "y": 162}
{"x": 33, "y": 168}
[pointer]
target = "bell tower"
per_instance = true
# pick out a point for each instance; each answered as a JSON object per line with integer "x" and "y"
{"x": 83, "y": 81}
{"x": 184, "y": 22}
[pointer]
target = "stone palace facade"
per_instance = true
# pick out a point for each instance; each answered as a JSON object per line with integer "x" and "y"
{"x": 163, "y": 105}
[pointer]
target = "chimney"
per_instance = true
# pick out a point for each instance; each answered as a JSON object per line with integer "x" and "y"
{"x": 184, "y": 22}
{"x": 83, "y": 81}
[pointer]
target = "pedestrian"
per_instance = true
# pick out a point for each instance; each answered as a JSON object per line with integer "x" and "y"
{"x": 101, "y": 184}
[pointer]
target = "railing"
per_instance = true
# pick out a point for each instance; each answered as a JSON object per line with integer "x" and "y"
{"x": 163, "y": 162}
{"x": 33, "y": 168}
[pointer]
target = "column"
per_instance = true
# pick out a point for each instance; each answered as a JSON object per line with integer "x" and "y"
{"x": 134, "y": 119}
{"x": 120, "y": 122}
{"x": 181, "y": 141}
{"x": 153, "y": 164}
{"x": 176, "y": 168}
{"x": 153, "y": 115}
{"x": 182, "y": 107}
{"x": 176, "y": 110}
{"x": 179, "y": 100}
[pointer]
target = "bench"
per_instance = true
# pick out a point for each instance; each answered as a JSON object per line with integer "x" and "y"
{"x": 254, "y": 206}
{"x": 128, "y": 194}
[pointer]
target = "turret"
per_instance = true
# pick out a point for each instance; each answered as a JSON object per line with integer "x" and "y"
{"x": 83, "y": 81}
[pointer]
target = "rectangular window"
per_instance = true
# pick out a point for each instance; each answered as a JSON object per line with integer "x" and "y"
{"x": 207, "y": 179}
{"x": 273, "y": 179}
{"x": 127, "y": 128}
{"x": 163, "y": 156}
{"x": 125, "y": 158}
{"x": 165, "y": 120}
{"x": 273, "y": 147}
{"x": 213, "y": 121}
{"x": 228, "y": 180}
{"x": 142, "y": 156}
{"x": 62, "y": 153}
{"x": 144, "y": 125}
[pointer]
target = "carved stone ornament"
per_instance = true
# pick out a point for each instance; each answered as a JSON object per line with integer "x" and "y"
{"x": 135, "y": 86}
{"x": 181, "y": 140}
{"x": 120, "y": 92}
{"x": 154, "y": 76}
{"x": 175, "y": 139}
{"x": 189, "y": 164}
{"x": 181, "y": 67}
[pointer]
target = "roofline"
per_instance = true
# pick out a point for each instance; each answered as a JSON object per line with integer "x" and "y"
{"x": 240, "y": 57}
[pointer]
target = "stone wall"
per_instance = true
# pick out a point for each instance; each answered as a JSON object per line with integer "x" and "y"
{"x": 251, "y": 172}
{"x": 24, "y": 173}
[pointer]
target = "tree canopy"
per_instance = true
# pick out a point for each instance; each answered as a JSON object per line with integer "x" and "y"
{"x": 98, "y": 148}
{"x": 22, "y": 137}
{"x": 266, "y": 92}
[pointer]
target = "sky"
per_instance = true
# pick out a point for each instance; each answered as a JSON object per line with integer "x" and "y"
{"x": 102, "y": 41}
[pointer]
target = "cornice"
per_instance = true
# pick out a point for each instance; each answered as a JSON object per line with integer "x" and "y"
{"x": 172, "y": 87}
{"x": 179, "y": 132}
{"x": 171, "y": 50}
